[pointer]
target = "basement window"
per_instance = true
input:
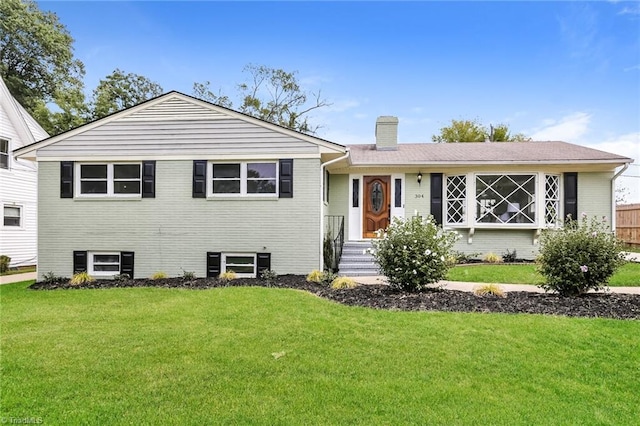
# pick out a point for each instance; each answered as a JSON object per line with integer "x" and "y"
{"x": 104, "y": 264}
{"x": 244, "y": 265}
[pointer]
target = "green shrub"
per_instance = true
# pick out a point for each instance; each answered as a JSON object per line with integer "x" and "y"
{"x": 159, "y": 275}
{"x": 510, "y": 256}
{"x": 343, "y": 282}
{"x": 51, "y": 278}
{"x": 579, "y": 257}
{"x": 4, "y": 263}
{"x": 414, "y": 252}
{"x": 188, "y": 275}
{"x": 81, "y": 278}
{"x": 269, "y": 276}
{"x": 492, "y": 258}
{"x": 327, "y": 248}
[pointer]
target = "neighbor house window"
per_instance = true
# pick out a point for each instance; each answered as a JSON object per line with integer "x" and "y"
{"x": 456, "y": 199}
{"x": 244, "y": 265}
{"x": 552, "y": 199}
{"x": 118, "y": 180}
{"x": 253, "y": 179}
{"x": 104, "y": 264}
{"x": 4, "y": 154}
{"x": 508, "y": 199}
{"x": 12, "y": 216}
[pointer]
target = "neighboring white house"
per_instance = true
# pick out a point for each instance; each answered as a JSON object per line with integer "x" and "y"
{"x": 18, "y": 182}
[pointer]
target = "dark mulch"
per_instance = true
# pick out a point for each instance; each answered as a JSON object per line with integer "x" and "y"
{"x": 618, "y": 306}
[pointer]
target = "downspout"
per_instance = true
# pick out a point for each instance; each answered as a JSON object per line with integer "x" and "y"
{"x": 613, "y": 196}
{"x": 323, "y": 166}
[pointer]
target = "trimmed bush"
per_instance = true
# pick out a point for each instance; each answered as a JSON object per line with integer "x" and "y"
{"x": 414, "y": 252}
{"x": 579, "y": 257}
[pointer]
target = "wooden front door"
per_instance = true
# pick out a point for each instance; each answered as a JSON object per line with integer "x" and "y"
{"x": 376, "y": 199}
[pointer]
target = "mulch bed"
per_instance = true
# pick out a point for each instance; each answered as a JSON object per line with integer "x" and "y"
{"x": 593, "y": 305}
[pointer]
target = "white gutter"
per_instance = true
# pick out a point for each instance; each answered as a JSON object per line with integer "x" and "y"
{"x": 322, "y": 169}
{"x": 613, "y": 196}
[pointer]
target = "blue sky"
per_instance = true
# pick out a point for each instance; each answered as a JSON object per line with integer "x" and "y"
{"x": 553, "y": 70}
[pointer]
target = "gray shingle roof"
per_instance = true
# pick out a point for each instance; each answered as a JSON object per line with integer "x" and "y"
{"x": 482, "y": 153}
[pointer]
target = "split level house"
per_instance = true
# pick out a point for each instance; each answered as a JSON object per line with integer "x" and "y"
{"x": 18, "y": 182}
{"x": 178, "y": 184}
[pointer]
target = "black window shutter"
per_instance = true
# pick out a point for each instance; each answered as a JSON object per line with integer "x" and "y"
{"x": 286, "y": 178}
{"x": 148, "y": 179}
{"x": 126, "y": 263}
{"x": 571, "y": 195}
{"x": 214, "y": 260}
{"x": 66, "y": 179}
{"x": 263, "y": 262}
{"x": 436, "y": 197}
{"x": 79, "y": 261}
{"x": 199, "y": 179}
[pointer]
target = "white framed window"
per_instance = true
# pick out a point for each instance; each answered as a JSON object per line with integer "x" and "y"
{"x": 456, "y": 190}
{"x": 506, "y": 198}
{"x": 12, "y": 216}
{"x": 103, "y": 264}
{"x": 4, "y": 153}
{"x": 243, "y": 264}
{"x": 244, "y": 179}
{"x": 109, "y": 179}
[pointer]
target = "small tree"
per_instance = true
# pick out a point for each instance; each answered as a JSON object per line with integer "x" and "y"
{"x": 579, "y": 257}
{"x": 414, "y": 252}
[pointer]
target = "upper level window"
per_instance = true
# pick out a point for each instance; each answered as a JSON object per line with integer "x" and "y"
{"x": 506, "y": 198}
{"x": 244, "y": 178}
{"x": 12, "y": 216}
{"x": 4, "y": 154}
{"x": 110, "y": 179}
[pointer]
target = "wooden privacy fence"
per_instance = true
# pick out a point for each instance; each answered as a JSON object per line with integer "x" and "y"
{"x": 628, "y": 223}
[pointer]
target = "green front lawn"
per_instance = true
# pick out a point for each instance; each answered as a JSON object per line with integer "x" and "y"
{"x": 274, "y": 356}
{"x": 627, "y": 276}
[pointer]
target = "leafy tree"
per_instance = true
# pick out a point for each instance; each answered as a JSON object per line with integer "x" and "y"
{"x": 119, "y": 91}
{"x": 272, "y": 95}
{"x": 38, "y": 65}
{"x": 474, "y": 131}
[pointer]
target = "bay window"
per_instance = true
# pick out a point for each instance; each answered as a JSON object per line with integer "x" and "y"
{"x": 502, "y": 199}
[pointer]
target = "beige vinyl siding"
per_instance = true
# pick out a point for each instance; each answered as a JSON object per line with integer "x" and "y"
{"x": 173, "y": 231}
{"x": 179, "y": 128}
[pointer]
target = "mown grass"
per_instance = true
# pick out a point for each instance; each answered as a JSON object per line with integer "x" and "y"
{"x": 627, "y": 275}
{"x": 169, "y": 356}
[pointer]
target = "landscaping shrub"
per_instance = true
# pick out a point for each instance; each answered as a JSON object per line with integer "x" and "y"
{"x": 579, "y": 257}
{"x": 413, "y": 252}
{"x": 343, "y": 282}
{"x": 510, "y": 256}
{"x": 4, "y": 263}
{"x": 269, "y": 276}
{"x": 492, "y": 258}
{"x": 159, "y": 275}
{"x": 489, "y": 290}
{"x": 228, "y": 276}
{"x": 321, "y": 277}
{"x": 188, "y": 275}
{"x": 81, "y": 278}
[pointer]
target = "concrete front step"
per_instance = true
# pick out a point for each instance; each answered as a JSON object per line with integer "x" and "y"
{"x": 355, "y": 260}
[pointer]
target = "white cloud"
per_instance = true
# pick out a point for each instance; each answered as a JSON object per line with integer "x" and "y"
{"x": 632, "y": 68}
{"x": 570, "y": 128}
{"x": 630, "y": 10}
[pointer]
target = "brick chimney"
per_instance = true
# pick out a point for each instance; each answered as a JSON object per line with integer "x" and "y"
{"x": 387, "y": 133}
